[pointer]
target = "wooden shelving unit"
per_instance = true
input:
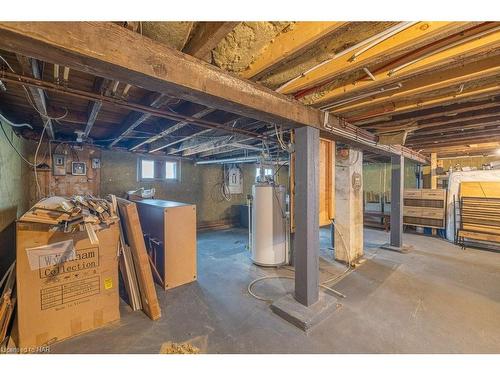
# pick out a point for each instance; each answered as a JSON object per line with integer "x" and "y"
{"x": 425, "y": 208}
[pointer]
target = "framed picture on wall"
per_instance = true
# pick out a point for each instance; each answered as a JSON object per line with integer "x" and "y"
{"x": 78, "y": 168}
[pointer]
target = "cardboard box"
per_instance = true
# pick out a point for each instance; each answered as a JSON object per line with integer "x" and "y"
{"x": 65, "y": 285}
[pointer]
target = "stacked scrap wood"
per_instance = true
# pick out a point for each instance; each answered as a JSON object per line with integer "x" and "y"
{"x": 78, "y": 213}
{"x": 7, "y": 304}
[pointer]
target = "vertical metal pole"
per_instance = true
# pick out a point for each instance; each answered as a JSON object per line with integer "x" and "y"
{"x": 306, "y": 215}
{"x": 397, "y": 187}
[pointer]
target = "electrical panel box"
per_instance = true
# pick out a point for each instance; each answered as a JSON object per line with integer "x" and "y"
{"x": 235, "y": 180}
{"x": 59, "y": 165}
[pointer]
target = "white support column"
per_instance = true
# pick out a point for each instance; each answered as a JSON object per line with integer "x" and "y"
{"x": 349, "y": 207}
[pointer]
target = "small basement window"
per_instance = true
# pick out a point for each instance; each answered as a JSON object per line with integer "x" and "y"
{"x": 157, "y": 170}
{"x": 171, "y": 170}
{"x": 147, "y": 169}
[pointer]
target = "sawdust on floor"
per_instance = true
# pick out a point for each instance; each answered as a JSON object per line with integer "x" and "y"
{"x": 174, "y": 348}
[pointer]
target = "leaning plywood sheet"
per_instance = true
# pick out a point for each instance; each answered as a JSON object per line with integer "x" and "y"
{"x": 126, "y": 263}
{"x": 130, "y": 278}
{"x": 135, "y": 239}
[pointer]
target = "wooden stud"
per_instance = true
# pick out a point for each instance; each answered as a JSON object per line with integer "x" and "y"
{"x": 438, "y": 81}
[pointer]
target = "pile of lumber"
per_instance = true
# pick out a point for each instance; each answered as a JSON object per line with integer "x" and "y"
{"x": 78, "y": 213}
{"x": 479, "y": 219}
{"x": 7, "y": 304}
{"x": 479, "y": 213}
{"x": 69, "y": 212}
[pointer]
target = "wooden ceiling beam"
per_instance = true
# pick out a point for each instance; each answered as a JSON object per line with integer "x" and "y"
{"x": 214, "y": 147}
{"x": 473, "y": 149}
{"x": 169, "y": 130}
{"x": 234, "y": 150}
{"x": 426, "y": 85}
{"x": 166, "y": 145}
{"x": 206, "y": 37}
{"x": 431, "y": 113}
{"x": 95, "y": 106}
{"x": 120, "y": 103}
{"x": 111, "y": 51}
{"x": 487, "y": 135}
{"x": 404, "y": 106}
{"x": 134, "y": 119}
{"x": 219, "y": 151}
{"x": 190, "y": 142}
{"x": 206, "y": 145}
{"x": 453, "y": 58}
{"x": 415, "y": 36}
{"x": 30, "y": 68}
{"x": 286, "y": 44}
{"x": 456, "y": 128}
{"x": 454, "y": 121}
{"x": 452, "y": 135}
{"x": 464, "y": 118}
{"x": 224, "y": 149}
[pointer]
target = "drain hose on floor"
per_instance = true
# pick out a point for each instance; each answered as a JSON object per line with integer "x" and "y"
{"x": 336, "y": 292}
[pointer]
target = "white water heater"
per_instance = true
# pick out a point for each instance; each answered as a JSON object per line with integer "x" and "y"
{"x": 268, "y": 225}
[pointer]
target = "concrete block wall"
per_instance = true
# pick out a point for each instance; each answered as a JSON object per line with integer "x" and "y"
{"x": 199, "y": 184}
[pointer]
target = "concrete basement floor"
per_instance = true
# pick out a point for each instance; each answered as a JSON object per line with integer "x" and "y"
{"x": 436, "y": 299}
